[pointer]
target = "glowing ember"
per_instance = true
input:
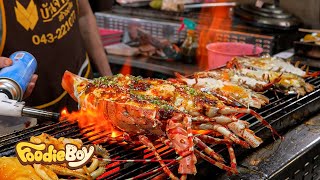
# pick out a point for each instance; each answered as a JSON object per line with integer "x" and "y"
{"x": 64, "y": 112}
{"x": 115, "y": 134}
{"x": 201, "y": 131}
{"x": 92, "y": 122}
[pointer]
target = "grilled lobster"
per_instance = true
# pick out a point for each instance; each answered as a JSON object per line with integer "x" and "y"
{"x": 148, "y": 109}
{"x": 287, "y": 78}
{"x": 227, "y": 90}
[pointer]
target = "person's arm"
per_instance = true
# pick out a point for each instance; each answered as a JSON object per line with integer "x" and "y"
{"x": 90, "y": 34}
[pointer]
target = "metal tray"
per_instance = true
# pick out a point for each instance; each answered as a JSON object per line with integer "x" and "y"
{"x": 136, "y": 4}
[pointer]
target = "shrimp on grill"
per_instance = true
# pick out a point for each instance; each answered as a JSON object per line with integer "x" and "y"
{"x": 147, "y": 109}
{"x": 268, "y": 63}
{"x": 234, "y": 76}
{"x": 234, "y": 92}
{"x": 286, "y": 77}
{"x": 288, "y": 83}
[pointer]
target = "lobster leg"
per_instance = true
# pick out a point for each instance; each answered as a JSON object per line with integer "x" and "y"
{"x": 309, "y": 74}
{"x": 218, "y": 119}
{"x": 212, "y": 161}
{"x": 233, "y": 160}
{"x": 314, "y": 74}
{"x": 270, "y": 84}
{"x": 188, "y": 122}
{"x": 234, "y": 63}
{"x": 208, "y": 150}
{"x": 144, "y": 140}
{"x": 240, "y": 128}
{"x": 226, "y": 141}
{"x": 218, "y": 164}
{"x": 212, "y": 140}
{"x": 224, "y": 131}
{"x": 181, "y": 138}
{"x": 229, "y": 110}
{"x": 160, "y": 168}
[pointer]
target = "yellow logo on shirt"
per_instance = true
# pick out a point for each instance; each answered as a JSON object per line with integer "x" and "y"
{"x": 27, "y": 17}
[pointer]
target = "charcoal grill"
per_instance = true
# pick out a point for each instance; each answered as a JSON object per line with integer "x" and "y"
{"x": 283, "y": 113}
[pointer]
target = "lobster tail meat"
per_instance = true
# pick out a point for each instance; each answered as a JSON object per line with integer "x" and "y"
{"x": 70, "y": 82}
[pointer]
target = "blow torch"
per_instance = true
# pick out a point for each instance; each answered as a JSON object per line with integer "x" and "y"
{"x": 14, "y": 80}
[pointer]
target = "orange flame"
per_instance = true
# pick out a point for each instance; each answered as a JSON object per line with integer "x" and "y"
{"x": 93, "y": 124}
{"x": 126, "y": 68}
{"x": 201, "y": 131}
{"x": 210, "y": 20}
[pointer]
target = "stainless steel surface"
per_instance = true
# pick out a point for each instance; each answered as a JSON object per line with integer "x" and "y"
{"x": 11, "y": 88}
{"x": 309, "y": 30}
{"x": 295, "y": 157}
{"x": 156, "y": 27}
{"x": 203, "y": 5}
{"x": 149, "y": 64}
{"x": 38, "y": 113}
{"x": 161, "y": 28}
{"x": 136, "y": 4}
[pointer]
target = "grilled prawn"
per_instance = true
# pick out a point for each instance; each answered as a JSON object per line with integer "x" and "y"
{"x": 228, "y": 89}
{"x": 236, "y": 77}
{"x": 260, "y": 77}
{"x": 288, "y": 83}
{"x": 268, "y": 63}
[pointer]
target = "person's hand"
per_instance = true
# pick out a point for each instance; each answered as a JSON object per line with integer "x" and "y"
{"x": 4, "y": 62}
{"x": 31, "y": 86}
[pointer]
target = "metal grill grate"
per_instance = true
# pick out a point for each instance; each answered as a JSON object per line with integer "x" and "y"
{"x": 281, "y": 113}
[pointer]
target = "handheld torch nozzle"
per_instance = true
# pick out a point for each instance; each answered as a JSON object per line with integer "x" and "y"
{"x": 13, "y": 108}
{"x": 38, "y": 113}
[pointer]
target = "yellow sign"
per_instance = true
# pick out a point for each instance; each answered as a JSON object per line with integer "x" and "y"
{"x": 29, "y": 153}
{"x": 27, "y": 17}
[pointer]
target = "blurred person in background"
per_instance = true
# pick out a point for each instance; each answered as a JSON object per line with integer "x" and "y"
{"x": 58, "y": 33}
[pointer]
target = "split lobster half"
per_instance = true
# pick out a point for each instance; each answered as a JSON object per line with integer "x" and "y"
{"x": 286, "y": 77}
{"x": 146, "y": 109}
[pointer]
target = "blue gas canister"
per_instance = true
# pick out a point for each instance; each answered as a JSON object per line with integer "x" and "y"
{"x": 14, "y": 79}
